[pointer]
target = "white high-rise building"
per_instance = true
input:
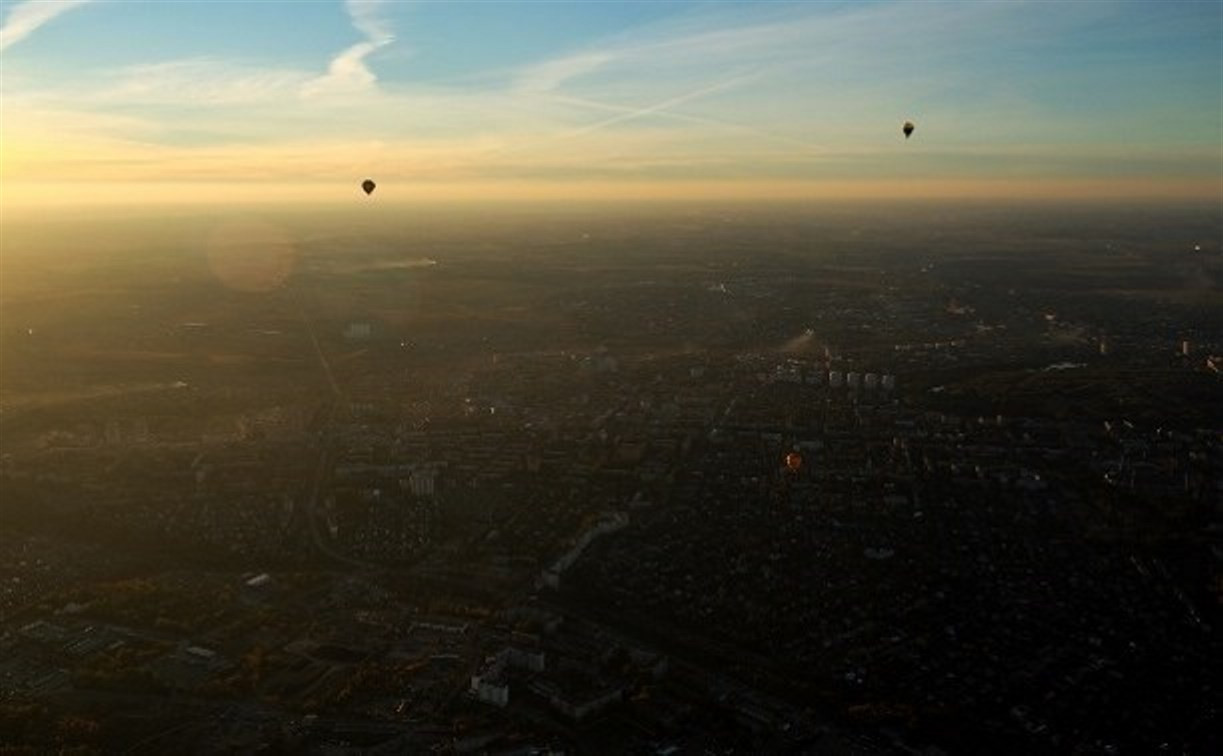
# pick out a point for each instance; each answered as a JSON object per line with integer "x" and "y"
{"x": 423, "y": 480}
{"x": 358, "y": 331}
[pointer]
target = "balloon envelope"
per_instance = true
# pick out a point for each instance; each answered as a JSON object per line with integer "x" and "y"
{"x": 368, "y": 185}
{"x": 908, "y": 128}
{"x": 794, "y": 460}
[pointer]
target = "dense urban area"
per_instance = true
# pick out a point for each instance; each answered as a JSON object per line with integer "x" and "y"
{"x": 845, "y": 480}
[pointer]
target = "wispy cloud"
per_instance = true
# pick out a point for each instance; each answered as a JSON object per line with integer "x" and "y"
{"x": 367, "y": 17}
{"x": 24, "y": 19}
{"x": 348, "y": 72}
{"x": 198, "y": 81}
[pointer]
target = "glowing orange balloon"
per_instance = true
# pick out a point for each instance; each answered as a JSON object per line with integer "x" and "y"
{"x": 794, "y": 460}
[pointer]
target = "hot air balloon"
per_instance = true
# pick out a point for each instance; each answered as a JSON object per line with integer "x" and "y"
{"x": 794, "y": 461}
{"x": 908, "y": 128}
{"x": 368, "y": 185}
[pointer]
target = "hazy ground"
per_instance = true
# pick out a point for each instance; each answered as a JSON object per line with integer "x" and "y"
{"x": 96, "y": 309}
{"x": 189, "y": 398}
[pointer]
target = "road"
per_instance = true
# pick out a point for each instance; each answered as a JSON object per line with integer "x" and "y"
{"x": 326, "y": 455}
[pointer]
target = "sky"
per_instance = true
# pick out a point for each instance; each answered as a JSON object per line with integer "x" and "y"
{"x": 119, "y": 101}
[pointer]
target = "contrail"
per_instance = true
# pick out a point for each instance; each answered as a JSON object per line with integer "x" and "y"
{"x": 596, "y": 105}
{"x": 627, "y": 113}
{"x": 661, "y": 107}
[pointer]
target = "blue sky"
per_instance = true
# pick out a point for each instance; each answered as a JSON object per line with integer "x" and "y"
{"x": 1029, "y": 93}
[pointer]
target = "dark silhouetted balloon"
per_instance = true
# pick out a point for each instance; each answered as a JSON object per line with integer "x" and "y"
{"x": 908, "y": 128}
{"x": 368, "y": 185}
